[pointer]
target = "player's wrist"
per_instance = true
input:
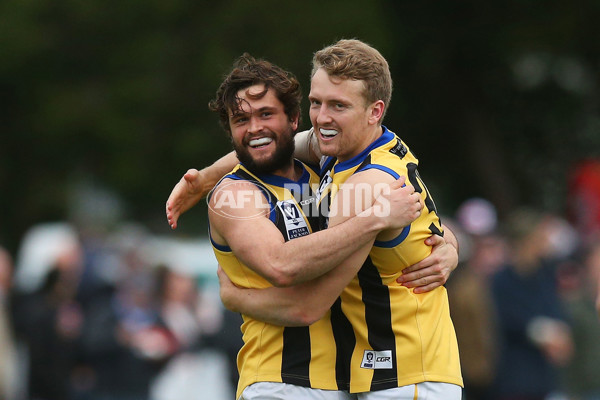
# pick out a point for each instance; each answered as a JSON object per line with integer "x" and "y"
{"x": 373, "y": 220}
{"x": 205, "y": 181}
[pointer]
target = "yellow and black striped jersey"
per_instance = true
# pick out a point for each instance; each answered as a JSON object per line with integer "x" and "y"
{"x": 391, "y": 336}
{"x": 304, "y": 356}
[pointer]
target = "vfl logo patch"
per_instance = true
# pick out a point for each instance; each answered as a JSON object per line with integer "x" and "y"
{"x": 295, "y": 224}
{"x": 291, "y": 212}
{"x": 377, "y": 359}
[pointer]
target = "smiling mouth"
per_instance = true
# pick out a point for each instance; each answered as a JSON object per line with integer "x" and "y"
{"x": 328, "y": 133}
{"x": 259, "y": 142}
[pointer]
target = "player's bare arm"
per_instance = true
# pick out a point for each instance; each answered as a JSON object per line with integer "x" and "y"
{"x": 434, "y": 270}
{"x": 307, "y": 147}
{"x": 299, "y": 260}
{"x": 195, "y": 184}
{"x": 304, "y": 304}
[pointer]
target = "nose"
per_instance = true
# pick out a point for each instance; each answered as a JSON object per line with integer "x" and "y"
{"x": 321, "y": 115}
{"x": 255, "y": 125}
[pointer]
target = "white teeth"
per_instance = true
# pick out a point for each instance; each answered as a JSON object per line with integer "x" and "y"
{"x": 328, "y": 132}
{"x": 260, "y": 141}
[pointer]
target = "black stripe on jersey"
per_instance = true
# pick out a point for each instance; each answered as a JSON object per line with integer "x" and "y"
{"x": 296, "y": 352}
{"x": 378, "y": 317}
{"x": 295, "y": 357}
{"x": 325, "y": 203}
{"x": 328, "y": 166}
{"x": 415, "y": 180}
{"x": 365, "y": 162}
{"x": 435, "y": 230}
{"x": 345, "y": 341}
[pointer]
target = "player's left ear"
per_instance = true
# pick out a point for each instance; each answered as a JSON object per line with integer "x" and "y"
{"x": 294, "y": 121}
{"x": 376, "y": 110}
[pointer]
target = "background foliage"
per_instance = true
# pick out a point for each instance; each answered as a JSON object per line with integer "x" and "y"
{"x": 499, "y": 98}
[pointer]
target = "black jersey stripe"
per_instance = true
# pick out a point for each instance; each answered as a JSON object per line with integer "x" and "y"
{"x": 378, "y": 318}
{"x": 295, "y": 357}
{"x": 296, "y": 352}
{"x": 345, "y": 341}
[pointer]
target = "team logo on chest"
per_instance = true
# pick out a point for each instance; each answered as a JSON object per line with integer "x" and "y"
{"x": 295, "y": 223}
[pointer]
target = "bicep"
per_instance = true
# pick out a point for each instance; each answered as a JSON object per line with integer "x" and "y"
{"x": 302, "y": 304}
{"x": 236, "y": 221}
{"x": 357, "y": 194}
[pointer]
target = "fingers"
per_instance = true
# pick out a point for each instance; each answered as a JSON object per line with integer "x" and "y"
{"x": 420, "y": 268}
{"x": 434, "y": 240}
{"x": 173, "y": 206}
{"x": 398, "y": 183}
{"x": 171, "y": 215}
{"x": 418, "y": 276}
{"x": 419, "y": 201}
{"x": 427, "y": 288}
{"x": 420, "y": 282}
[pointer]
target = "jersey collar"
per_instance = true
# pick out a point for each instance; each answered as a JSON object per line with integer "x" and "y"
{"x": 385, "y": 137}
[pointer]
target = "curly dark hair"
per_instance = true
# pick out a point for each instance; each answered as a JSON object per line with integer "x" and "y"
{"x": 248, "y": 71}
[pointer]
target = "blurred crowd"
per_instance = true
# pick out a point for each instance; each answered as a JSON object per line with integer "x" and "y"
{"x": 98, "y": 315}
{"x": 89, "y": 313}
{"x": 524, "y": 297}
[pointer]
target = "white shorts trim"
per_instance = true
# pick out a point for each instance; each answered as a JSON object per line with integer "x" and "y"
{"x": 419, "y": 391}
{"x": 286, "y": 391}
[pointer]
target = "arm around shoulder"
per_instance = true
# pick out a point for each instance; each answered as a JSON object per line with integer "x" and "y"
{"x": 195, "y": 185}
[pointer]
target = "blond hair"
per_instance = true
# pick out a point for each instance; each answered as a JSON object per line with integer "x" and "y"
{"x": 356, "y": 60}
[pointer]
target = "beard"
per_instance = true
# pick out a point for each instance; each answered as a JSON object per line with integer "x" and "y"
{"x": 284, "y": 152}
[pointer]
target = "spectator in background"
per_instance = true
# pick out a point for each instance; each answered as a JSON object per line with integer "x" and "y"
{"x": 125, "y": 341}
{"x": 534, "y": 338}
{"x": 582, "y": 375}
{"x": 49, "y": 320}
{"x": 483, "y": 251}
{"x": 179, "y": 302}
{"x": 87, "y": 309}
{"x": 583, "y": 200}
{"x": 202, "y": 363}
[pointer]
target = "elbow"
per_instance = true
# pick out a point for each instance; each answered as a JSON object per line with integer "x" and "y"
{"x": 306, "y": 314}
{"x": 228, "y": 302}
{"x": 303, "y": 318}
{"x": 282, "y": 276}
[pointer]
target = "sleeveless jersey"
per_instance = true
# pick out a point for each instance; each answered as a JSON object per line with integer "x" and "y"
{"x": 392, "y": 336}
{"x": 304, "y": 356}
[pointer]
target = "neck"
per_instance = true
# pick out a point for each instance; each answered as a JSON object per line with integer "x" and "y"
{"x": 370, "y": 136}
{"x": 290, "y": 171}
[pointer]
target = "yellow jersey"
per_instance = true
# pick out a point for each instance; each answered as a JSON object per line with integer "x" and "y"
{"x": 391, "y": 336}
{"x": 304, "y": 356}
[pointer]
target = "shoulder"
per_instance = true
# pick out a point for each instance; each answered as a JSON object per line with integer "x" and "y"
{"x": 372, "y": 175}
{"x": 237, "y": 198}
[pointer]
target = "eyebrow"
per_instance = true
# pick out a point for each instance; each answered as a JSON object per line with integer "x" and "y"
{"x": 239, "y": 111}
{"x": 329, "y": 101}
